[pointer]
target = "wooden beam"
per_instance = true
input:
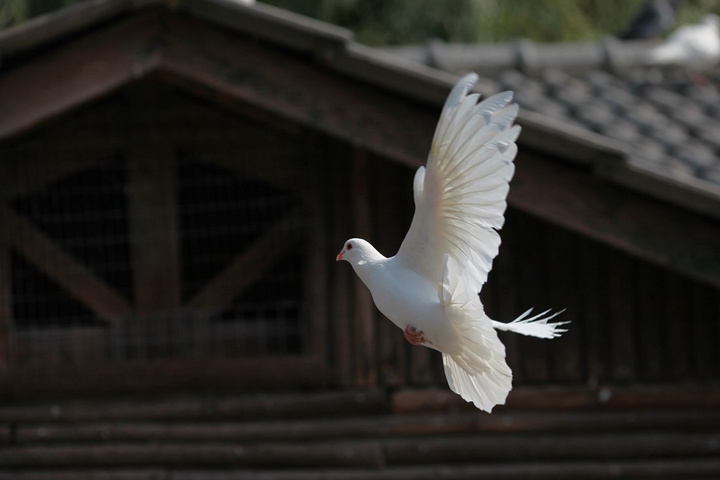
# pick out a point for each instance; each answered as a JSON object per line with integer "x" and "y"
{"x": 246, "y": 268}
{"x": 154, "y": 223}
{"x": 5, "y": 302}
{"x": 549, "y": 398}
{"x": 68, "y": 272}
{"x": 663, "y": 234}
{"x": 309, "y": 96}
{"x": 326, "y": 454}
{"x": 341, "y": 281}
{"x": 319, "y": 258}
{"x": 371, "y": 425}
{"x": 623, "y": 317}
{"x": 212, "y": 406}
{"x": 364, "y": 347}
{"x": 28, "y": 99}
{"x": 164, "y": 376}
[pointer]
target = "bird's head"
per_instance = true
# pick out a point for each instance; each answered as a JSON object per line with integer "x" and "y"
{"x": 357, "y": 251}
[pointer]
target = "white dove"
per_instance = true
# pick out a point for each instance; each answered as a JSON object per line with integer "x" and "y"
{"x": 430, "y": 287}
{"x": 696, "y": 46}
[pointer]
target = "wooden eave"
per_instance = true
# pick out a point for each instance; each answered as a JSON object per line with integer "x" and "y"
{"x": 279, "y": 86}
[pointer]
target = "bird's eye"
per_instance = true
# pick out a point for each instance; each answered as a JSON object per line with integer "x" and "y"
{"x": 348, "y": 246}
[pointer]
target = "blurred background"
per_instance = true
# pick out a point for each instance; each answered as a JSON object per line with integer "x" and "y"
{"x": 397, "y": 22}
{"x": 176, "y": 178}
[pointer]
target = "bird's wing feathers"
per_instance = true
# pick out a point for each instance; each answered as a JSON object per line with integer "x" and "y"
{"x": 476, "y": 370}
{"x": 460, "y": 197}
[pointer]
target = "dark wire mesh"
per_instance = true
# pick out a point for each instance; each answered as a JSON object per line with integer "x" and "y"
{"x": 216, "y": 215}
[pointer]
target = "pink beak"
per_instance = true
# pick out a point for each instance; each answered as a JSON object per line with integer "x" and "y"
{"x": 339, "y": 256}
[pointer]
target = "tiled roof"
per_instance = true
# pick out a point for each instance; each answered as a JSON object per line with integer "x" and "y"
{"x": 667, "y": 121}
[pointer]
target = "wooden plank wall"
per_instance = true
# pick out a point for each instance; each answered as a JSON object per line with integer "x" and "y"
{"x": 632, "y": 321}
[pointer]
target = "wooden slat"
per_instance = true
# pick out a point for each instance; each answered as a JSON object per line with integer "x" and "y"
{"x": 199, "y": 407}
{"x": 375, "y": 453}
{"x": 316, "y": 284}
{"x": 341, "y": 321}
{"x": 592, "y": 289}
{"x": 372, "y": 426}
{"x": 364, "y": 340}
{"x": 153, "y": 221}
{"x": 68, "y": 272}
{"x": 622, "y": 316}
{"x": 246, "y": 268}
{"x": 706, "y": 361}
{"x": 685, "y": 469}
{"x": 651, "y": 318}
{"x": 531, "y": 280}
{"x": 5, "y": 302}
{"x": 549, "y": 446}
{"x": 334, "y": 454}
{"x": 164, "y": 375}
{"x": 564, "y": 398}
{"x": 561, "y": 267}
{"x": 677, "y": 339}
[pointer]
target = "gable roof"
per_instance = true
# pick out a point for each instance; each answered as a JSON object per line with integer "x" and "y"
{"x": 333, "y": 47}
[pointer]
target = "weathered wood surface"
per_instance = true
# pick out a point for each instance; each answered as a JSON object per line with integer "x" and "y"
{"x": 198, "y": 407}
{"x": 641, "y": 470}
{"x": 350, "y": 435}
{"x": 356, "y": 453}
{"x": 368, "y": 426}
{"x": 564, "y": 398}
{"x": 5, "y": 303}
{"x": 364, "y": 338}
{"x": 164, "y": 376}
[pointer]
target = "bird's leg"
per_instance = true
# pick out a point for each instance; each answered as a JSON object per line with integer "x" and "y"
{"x": 413, "y": 335}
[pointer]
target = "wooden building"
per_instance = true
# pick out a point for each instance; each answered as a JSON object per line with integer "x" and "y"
{"x": 176, "y": 179}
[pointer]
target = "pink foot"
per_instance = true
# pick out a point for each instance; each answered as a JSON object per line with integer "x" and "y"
{"x": 413, "y": 335}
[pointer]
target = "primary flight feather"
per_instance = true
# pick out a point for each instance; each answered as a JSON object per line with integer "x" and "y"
{"x": 430, "y": 287}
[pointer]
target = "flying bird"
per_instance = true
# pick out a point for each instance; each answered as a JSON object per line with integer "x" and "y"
{"x": 430, "y": 288}
{"x": 654, "y": 19}
{"x": 696, "y": 46}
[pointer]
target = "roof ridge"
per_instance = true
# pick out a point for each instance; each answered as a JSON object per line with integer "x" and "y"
{"x": 527, "y": 55}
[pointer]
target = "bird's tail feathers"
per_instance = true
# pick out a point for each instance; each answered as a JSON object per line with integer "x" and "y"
{"x": 536, "y": 326}
{"x": 485, "y": 387}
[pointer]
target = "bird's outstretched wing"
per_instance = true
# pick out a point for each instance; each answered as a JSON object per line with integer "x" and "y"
{"x": 460, "y": 196}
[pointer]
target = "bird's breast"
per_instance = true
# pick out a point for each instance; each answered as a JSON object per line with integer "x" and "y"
{"x": 405, "y": 297}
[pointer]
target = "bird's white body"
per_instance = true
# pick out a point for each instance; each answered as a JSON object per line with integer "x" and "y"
{"x": 430, "y": 287}
{"x": 406, "y": 297}
{"x": 694, "y": 46}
